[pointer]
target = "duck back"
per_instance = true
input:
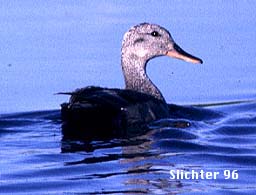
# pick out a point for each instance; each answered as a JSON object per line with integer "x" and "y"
{"x": 104, "y": 112}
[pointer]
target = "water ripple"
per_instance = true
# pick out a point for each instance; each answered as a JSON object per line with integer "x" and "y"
{"x": 36, "y": 159}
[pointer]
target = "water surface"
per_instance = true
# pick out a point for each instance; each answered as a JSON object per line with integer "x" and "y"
{"x": 52, "y": 46}
{"x": 35, "y": 158}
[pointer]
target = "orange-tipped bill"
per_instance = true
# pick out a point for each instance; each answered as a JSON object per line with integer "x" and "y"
{"x": 179, "y": 53}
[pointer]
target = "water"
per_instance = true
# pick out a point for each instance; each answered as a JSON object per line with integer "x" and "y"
{"x": 48, "y": 47}
{"x": 35, "y": 159}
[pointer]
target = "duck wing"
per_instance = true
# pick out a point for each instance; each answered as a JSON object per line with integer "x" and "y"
{"x": 102, "y": 109}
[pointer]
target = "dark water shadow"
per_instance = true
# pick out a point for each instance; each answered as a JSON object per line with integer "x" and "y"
{"x": 19, "y": 122}
{"x": 180, "y": 117}
{"x": 193, "y": 137}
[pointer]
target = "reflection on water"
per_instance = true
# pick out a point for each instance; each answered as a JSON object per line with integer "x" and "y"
{"x": 62, "y": 46}
{"x": 35, "y": 158}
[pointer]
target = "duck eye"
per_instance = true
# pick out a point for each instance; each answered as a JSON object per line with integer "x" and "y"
{"x": 155, "y": 34}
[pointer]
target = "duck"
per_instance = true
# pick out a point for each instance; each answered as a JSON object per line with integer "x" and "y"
{"x": 102, "y": 111}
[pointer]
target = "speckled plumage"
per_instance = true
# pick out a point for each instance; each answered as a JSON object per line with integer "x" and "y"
{"x": 102, "y": 111}
{"x": 138, "y": 47}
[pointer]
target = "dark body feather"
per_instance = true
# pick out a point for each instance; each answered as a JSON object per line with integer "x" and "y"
{"x": 95, "y": 112}
{"x": 108, "y": 112}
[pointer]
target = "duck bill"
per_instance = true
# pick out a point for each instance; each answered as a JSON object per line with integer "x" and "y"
{"x": 179, "y": 53}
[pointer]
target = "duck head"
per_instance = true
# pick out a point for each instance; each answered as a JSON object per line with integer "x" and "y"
{"x": 142, "y": 43}
{"x": 147, "y": 41}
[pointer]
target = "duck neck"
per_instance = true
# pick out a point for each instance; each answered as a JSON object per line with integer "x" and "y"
{"x": 134, "y": 70}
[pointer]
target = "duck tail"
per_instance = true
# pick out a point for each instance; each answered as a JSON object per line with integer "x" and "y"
{"x": 65, "y": 93}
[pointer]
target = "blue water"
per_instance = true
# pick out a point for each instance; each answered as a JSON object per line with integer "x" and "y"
{"x": 35, "y": 159}
{"x": 51, "y": 46}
